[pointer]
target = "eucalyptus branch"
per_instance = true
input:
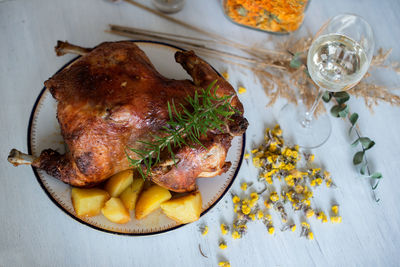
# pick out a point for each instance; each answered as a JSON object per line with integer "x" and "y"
{"x": 205, "y": 111}
{"x": 342, "y": 110}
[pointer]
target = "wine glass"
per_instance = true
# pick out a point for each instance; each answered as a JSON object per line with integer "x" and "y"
{"x": 338, "y": 58}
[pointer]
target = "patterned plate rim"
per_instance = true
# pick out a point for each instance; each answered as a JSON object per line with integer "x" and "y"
{"x": 41, "y": 183}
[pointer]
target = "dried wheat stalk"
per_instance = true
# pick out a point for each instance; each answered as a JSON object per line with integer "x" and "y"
{"x": 274, "y": 71}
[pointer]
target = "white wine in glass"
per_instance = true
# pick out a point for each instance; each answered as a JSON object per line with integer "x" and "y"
{"x": 337, "y": 60}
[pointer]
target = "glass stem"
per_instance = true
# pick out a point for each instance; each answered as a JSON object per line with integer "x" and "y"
{"x": 308, "y": 116}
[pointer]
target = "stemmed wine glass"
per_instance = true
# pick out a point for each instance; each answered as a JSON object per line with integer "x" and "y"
{"x": 338, "y": 58}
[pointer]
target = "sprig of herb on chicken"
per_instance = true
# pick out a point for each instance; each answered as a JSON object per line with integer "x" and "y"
{"x": 205, "y": 111}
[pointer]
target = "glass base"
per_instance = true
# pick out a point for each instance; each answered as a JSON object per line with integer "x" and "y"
{"x": 169, "y": 6}
{"x": 291, "y": 119}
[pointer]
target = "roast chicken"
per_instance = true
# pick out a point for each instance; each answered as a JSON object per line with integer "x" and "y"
{"x": 111, "y": 98}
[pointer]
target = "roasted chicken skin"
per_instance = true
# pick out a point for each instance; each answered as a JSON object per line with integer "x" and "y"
{"x": 112, "y": 97}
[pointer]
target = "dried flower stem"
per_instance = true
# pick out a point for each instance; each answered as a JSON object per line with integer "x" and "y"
{"x": 134, "y": 33}
{"x": 215, "y": 36}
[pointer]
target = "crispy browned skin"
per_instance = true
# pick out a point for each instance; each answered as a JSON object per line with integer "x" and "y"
{"x": 112, "y": 97}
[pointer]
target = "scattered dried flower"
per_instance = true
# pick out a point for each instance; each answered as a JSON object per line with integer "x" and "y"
{"x": 204, "y": 230}
{"x": 222, "y": 245}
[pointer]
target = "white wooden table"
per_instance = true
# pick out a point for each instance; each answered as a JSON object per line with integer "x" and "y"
{"x": 34, "y": 232}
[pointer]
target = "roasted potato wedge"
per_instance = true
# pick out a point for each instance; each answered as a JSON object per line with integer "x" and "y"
{"x": 117, "y": 183}
{"x": 115, "y": 211}
{"x": 131, "y": 193}
{"x": 184, "y": 209}
{"x": 88, "y": 202}
{"x": 150, "y": 200}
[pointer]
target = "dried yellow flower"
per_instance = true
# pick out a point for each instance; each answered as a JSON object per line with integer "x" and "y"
{"x": 241, "y": 90}
{"x": 310, "y": 235}
{"x": 205, "y": 230}
{"x": 235, "y": 199}
{"x": 236, "y": 208}
{"x": 268, "y": 217}
{"x": 274, "y": 197}
{"x": 309, "y": 213}
{"x": 299, "y": 189}
{"x": 305, "y": 225}
{"x": 328, "y": 182}
{"x": 271, "y": 230}
{"x": 336, "y": 219}
{"x": 260, "y": 214}
{"x": 252, "y": 216}
{"x": 235, "y": 235}
{"x": 246, "y": 209}
{"x": 224, "y": 229}
{"x": 335, "y": 209}
{"x": 244, "y": 186}
{"x": 224, "y": 264}
{"x": 222, "y": 245}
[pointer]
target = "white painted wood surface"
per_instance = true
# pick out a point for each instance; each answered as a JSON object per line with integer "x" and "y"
{"x": 34, "y": 232}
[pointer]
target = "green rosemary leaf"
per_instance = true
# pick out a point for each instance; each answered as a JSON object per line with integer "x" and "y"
{"x": 326, "y": 97}
{"x": 141, "y": 172}
{"x": 196, "y": 97}
{"x": 140, "y": 153}
{"x": 148, "y": 144}
{"x": 353, "y": 118}
{"x": 187, "y": 112}
{"x": 176, "y": 112}
{"x": 169, "y": 111}
{"x": 223, "y": 112}
{"x": 211, "y": 86}
{"x": 366, "y": 142}
{"x": 376, "y": 175}
{"x": 169, "y": 147}
{"x": 358, "y": 157}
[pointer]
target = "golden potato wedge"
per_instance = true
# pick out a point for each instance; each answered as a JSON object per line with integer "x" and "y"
{"x": 117, "y": 183}
{"x": 150, "y": 200}
{"x": 88, "y": 202}
{"x": 131, "y": 193}
{"x": 115, "y": 211}
{"x": 185, "y": 209}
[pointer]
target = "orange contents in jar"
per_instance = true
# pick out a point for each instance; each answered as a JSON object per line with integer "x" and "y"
{"x": 268, "y": 15}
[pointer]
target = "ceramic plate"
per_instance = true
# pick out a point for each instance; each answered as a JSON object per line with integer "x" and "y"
{"x": 44, "y": 132}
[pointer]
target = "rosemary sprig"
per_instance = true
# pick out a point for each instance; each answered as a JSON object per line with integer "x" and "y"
{"x": 205, "y": 111}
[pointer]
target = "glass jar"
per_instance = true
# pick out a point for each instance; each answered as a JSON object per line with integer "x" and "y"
{"x": 277, "y": 16}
